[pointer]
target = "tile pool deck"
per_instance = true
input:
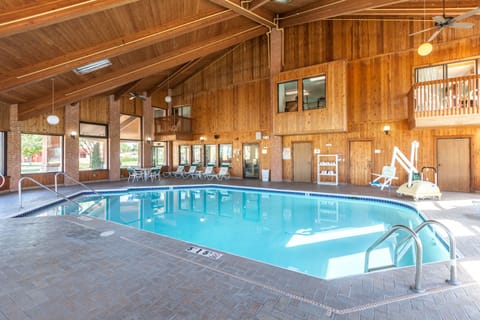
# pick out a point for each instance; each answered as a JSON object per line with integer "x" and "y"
{"x": 69, "y": 267}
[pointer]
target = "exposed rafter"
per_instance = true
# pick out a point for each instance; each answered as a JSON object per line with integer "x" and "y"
{"x": 265, "y": 21}
{"x": 124, "y": 89}
{"x": 321, "y": 11}
{"x": 50, "y": 12}
{"x": 140, "y": 70}
{"x": 170, "y": 79}
{"x": 55, "y": 66}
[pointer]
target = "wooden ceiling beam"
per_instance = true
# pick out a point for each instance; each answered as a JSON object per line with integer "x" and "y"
{"x": 429, "y": 12}
{"x": 50, "y": 12}
{"x": 170, "y": 79}
{"x": 255, "y": 4}
{"x": 260, "y": 19}
{"x": 66, "y": 63}
{"x": 124, "y": 89}
{"x": 134, "y": 72}
{"x": 321, "y": 11}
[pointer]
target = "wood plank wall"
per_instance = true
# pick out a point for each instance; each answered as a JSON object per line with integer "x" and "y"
{"x": 331, "y": 118}
{"x": 4, "y": 117}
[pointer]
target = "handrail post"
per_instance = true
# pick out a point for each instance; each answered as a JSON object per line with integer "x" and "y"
{"x": 452, "y": 249}
{"x": 44, "y": 187}
{"x": 76, "y": 181}
{"x": 418, "y": 254}
{"x": 3, "y": 180}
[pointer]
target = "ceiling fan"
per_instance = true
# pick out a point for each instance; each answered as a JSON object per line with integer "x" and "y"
{"x": 135, "y": 95}
{"x": 450, "y": 22}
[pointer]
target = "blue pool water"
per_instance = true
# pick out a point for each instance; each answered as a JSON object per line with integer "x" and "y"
{"x": 323, "y": 236}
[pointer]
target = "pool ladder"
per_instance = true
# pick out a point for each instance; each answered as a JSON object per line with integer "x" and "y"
{"x": 413, "y": 233}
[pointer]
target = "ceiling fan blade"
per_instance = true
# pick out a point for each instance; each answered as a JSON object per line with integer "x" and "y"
{"x": 422, "y": 31}
{"x": 435, "y": 34}
{"x": 439, "y": 19}
{"x": 466, "y": 14}
{"x": 461, "y": 25}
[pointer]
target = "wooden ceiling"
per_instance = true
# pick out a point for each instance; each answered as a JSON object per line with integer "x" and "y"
{"x": 152, "y": 44}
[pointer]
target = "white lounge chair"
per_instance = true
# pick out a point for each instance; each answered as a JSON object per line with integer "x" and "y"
{"x": 154, "y": 174}
{"x": 207, "y": 173}
{"x": 385, "y": 178}
{"x": 177, "y": 173}
{"x": 191, "y": 171}
{"x": 221, "y": 175}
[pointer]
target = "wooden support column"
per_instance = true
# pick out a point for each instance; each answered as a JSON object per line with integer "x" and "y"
{"x": 72, "y": 119}
{"x": 276, "y": 53}
{"x": 114, "y": 138}
{"x": 147, "y": 133}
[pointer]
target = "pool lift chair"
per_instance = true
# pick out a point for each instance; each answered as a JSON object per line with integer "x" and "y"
{"x": 417, "y": 189}
{"x": 385, "y": 178}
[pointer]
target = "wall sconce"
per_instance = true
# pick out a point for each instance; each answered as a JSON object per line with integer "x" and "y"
{"x": 386, "y": 129}
{"x": 73, "y": 134}
{"x": 202, "y": 139}
{"x": 149, "y": 140}
{"x": 216, "y": 136}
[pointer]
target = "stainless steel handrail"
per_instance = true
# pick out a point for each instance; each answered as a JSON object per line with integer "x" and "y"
{"x": 452, "y": 249}
{"x": 418, "y": 255}
{"x": 3, "y": 180}
{"x": 76, "y": 181}
{"x": 44, "y": 187}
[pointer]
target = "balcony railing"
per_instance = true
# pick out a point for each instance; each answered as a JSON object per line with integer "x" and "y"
{"x": 173, "y": 127}
{"x": 445, "y": 98}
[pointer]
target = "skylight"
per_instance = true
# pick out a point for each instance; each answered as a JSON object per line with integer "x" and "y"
{"x": 93, "y": 66}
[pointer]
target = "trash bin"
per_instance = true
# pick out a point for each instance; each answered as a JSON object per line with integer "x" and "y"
{"x": 265, "y": 174}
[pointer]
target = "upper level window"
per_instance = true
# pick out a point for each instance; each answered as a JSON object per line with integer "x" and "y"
{"x": 93, "y": 146}
{"x": 314, "y": 93}
{"x": 183, "y": 111}
{"x": 288, "y": 96}
{"x": 41, "y": 153}
{"x": 445, "y": 71}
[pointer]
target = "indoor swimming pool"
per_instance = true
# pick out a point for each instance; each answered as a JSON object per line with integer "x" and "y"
{"x": 325, "y": 236}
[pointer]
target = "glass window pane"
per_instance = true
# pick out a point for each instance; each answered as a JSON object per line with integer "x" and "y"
{"x": 461, "y": 69}
{"x": 197, "y": 154}
{"x": 211, "y": 154}
{"x": 158, "y": 156}
{"x": 225, "y": 154}
{"x": 41, "y": 153}
{"x": 129, "y": 154}
{"x": 159, "y": 113}
{"x": 184, "y": 158}
{"x": 130, "y": 127}
{"x": 93, "y": 130}
{"x": 314, "y": 92}
{"x": 92, "y": 153}
{"x": 429, "y": 73}
{"x": 288, "y": 96}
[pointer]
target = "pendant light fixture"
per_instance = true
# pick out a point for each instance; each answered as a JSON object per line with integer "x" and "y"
{"x": 426, "y": 47}
{"x": 53, "y": 119}
{"x": 168, "y": 98}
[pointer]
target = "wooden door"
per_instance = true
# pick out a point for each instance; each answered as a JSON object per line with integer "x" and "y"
{"x": 453, "y": 164}
{"x": 360, "y": 162}
{"x": 302, "y": 162}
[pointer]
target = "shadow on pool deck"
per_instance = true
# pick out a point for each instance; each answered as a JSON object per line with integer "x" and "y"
{"x": 70, "y": 268}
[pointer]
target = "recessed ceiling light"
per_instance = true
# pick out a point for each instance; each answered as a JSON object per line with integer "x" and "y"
{"x": 282, "y": 1}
